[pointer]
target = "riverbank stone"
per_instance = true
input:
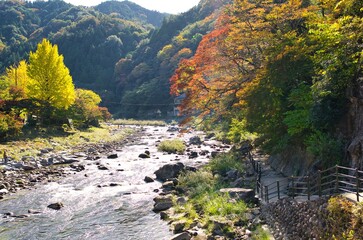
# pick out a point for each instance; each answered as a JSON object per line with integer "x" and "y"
{"x": 178, "y": 226}
{"x": 162, "y": 206}
{"x": 244, "y": 194}
{"x": 169, "y": 171}
{"x": 162, "y": 203}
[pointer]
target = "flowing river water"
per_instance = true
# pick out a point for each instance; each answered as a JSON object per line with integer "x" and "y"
{"x": 92, "y": 208}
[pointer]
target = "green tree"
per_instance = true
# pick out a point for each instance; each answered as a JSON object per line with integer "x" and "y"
{"x": 16, "y": 78}
{"x": 85, "y": 111}
{"x": 50, "y": 82}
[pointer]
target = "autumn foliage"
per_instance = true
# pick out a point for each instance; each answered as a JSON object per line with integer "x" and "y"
{"x": 43, "y": 91}
{"x": 281, "y": 69}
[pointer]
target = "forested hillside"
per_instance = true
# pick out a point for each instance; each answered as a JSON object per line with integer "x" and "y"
{"x": 286, "y": 74}
{"x": 143, "y": 80}
{"x": 91, "y": 41}
{"x": 120, "y": 50}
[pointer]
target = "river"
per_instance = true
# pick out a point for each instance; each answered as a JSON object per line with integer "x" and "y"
{"x": 92, "y": 208}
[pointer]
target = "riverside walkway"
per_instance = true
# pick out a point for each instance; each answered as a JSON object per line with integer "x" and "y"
{"x": 338, "y": 180}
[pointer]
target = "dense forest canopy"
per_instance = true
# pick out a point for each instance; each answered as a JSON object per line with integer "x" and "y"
{"x": 288, "y": 71}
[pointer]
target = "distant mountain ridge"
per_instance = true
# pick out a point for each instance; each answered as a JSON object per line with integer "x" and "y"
{"x": 120, "y": 50}
{"x": 131, "y": 11}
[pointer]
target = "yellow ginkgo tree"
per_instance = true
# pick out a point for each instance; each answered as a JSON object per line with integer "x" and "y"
{"x": 50, "y": 82}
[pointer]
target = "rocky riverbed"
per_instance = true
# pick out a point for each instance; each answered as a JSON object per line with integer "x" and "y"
{"x": 48, "y": 165}
{"x": 101, "y": 191}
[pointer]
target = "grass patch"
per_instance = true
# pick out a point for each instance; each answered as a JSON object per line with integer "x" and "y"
{"x": 139, "y": 122}
{"x": 33, "y": 142}
{"x": 187, "y": 213}
{"x": 172, "y": 146}
{"x": 260, "y": 234}
{"x": 197, "y": 183}
{"x": 211, "y": 206}
{"x": 217, "y": 204}
{"x": 205, "y": 202}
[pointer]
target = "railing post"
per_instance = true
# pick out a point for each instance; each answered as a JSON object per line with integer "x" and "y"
{"x": 259, "y": 171}
{"x": 266, "y": 194}
{"x": 309, "y": 188}
{"x": 319, "y": 183}
{"x": 336, "y": 178}
{"x": 358, "y": 183}
{"x": 278, "y": 190}
{"x": 293, "y": 187}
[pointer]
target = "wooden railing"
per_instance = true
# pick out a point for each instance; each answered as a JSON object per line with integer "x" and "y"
{"x": 328, "y": 182}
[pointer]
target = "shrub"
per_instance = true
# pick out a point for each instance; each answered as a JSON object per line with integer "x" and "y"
{"x": 197, "y": 183}
{"x": 172, "y": 146}
{"x": 225, "y": 162}
{"x": 237, "y": 132}
{"x": 10, "y": 126}
{"x": 344, "y": 219}
{"x": 325, "y": 148}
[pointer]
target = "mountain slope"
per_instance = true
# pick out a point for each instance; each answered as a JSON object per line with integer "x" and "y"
{"x": 131, "y": 11}
{"x": 91, "y": 41}
{"x": 143, "y": 81}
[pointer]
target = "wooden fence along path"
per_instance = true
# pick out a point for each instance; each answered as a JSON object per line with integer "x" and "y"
{"x": 329, "y": 182}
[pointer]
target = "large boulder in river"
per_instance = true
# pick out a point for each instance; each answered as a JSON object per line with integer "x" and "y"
{"x": 102, "y": 167}
{"x": 145, "y": 154}
{"x": 195, "y": 140}
{"x": 56, "y": 206}
{"x": 112, "y": 156}
{"x": 169, "y": 171}
{"x": 148, "y": 179}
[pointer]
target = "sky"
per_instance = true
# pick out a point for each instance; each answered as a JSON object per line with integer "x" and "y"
{"x": 164, "y": 6}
